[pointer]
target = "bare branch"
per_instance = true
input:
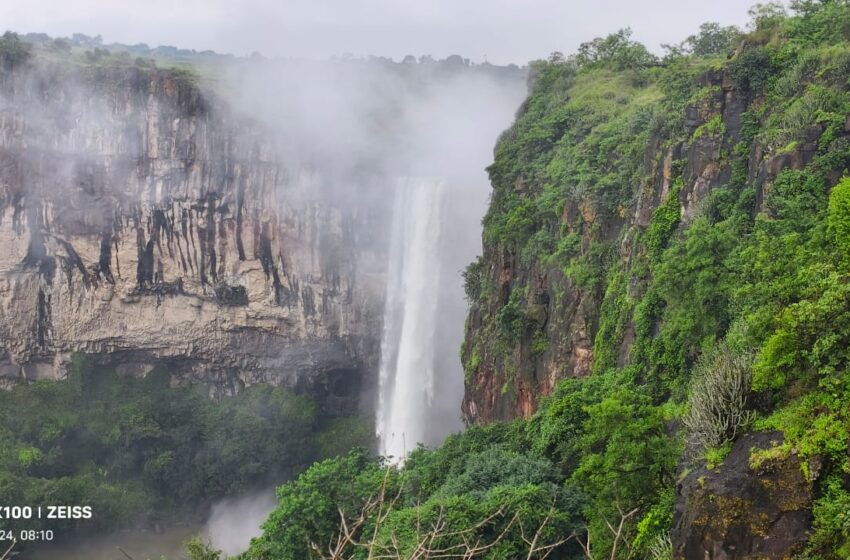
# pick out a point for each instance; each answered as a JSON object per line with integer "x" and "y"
{"x": 8, "y": 552}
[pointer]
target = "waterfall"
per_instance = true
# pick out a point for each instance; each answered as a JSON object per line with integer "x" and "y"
{"x": 409, "y": 345}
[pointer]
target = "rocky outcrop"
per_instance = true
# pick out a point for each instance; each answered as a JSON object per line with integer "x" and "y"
{"x": 540, "y": 313}
{"x": 564, "y": 316}
{"x": 745, "y": 508}
{"x": 141, "y": 221}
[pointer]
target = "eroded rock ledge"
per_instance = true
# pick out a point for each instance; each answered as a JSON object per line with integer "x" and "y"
{"x": 741, "y": 510}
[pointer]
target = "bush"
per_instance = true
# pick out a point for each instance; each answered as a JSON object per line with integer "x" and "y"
{"x": 664, "y": 222}
{"x": 13, "y": 51}
{"x": 751, "y": 71}
{"x": 231, "y": 295}
{"x": 474, "y": 277}
{"x": 661, "y": 548}
{"x": 511, "y": 319}
{"x": 839, "y": 214}
{"x": 196, "y": 549}
{"x": 718, "y": 398}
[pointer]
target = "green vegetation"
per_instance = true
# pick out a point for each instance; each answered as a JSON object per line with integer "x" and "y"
{"x": 712, "y": 40}
{"x": 735, "y": 313}
{"x": 591, "y": 446}
{"x": 13, "y": 51}
{"x": 718, "y": 409}
{"x": 87, "y": 56}
{"x": 714, "y": 127}
{"x": 664, "y": 222}
{"x": 138, "y": 450}
{"x": 227, "y": 294}
{"x": 476, "y": 490}
{"x": 698, "y": 208}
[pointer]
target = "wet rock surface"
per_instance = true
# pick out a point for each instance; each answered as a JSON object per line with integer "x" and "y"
{"x": 141, "y": 220}
{"x": 741, "y": 510}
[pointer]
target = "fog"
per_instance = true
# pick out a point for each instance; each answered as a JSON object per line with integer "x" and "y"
{"x": 408, "y": 143}
{"x": 234, "y": 522}
{"x": 230, "y": 526}
{"x": 375, "y": 115}
{"x": 502, "y": 31}
{"x": 347, "y": 135}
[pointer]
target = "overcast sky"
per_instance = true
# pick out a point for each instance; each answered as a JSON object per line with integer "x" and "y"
{"x": 503, "y": 31}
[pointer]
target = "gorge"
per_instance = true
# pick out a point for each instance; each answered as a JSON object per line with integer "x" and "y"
{"x": 223, "y": 236}
{"x": 276, "y": 272}
{"x": 145, "y": 221}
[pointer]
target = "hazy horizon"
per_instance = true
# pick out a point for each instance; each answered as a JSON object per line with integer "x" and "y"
{"x": 497, "y": 31}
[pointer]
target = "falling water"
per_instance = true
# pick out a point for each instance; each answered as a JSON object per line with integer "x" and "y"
{"x": 408, "y": 348}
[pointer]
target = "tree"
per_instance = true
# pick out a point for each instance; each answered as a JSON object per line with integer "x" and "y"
{"x": 556, "y": 57}
{"x": 808, "y": 7}
{"x": 454, "y": 61}
{"x": 712, "y": 39}
{"x": 766, "y": 16}
{"x": 196, "y": 549}
{"x": 616, "y": 51}
{"x": 13, "y": 51}
{"x": 839, "y": 214}
{"x": 439, "y": 536}
{"x": 60, "y": 45}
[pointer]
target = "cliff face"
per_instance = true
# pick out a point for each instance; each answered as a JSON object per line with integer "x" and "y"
{"x": 646, "y": 218}
{"x": 143, "y": 221}
{"x": 538, "y": 313}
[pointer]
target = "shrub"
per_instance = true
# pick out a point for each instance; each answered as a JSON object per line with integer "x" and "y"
{"x": 196, "y": 549}
{"x": 751, "y": 71}
{"x": 231, "y": 295}
{"x": 839, "y": 214}
{"x": 661, "y": 548}
{"x": 511, "y": 319}
{"x": 718, "y": 398}
{"x": 13, "y": 51}
{"x": 665, "y": 220}
{"x": 473, "y": 278}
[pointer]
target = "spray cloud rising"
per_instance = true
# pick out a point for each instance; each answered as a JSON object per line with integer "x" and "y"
{"x": 403, "y": 145}
{"x": 408, "y": 143}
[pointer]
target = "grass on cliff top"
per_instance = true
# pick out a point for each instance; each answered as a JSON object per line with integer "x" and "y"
{"x": 195, "y": 72}
{"x": 600, "y": 87}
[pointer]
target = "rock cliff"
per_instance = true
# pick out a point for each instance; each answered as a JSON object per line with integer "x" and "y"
{"x": 563, "y": 311}
{"x": 517, "y": 349}
{"x": 142, "y": 220}
{"x": 645, "y": 214}
{"x": 741, "y": 510}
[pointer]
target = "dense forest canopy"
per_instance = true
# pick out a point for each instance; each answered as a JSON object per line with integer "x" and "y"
{"x": 139, "y": 451}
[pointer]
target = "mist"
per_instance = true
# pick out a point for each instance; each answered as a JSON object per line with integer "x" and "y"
{"x": 409, "y": 144}
{"x": 501, "y": 31}
{"x": 234, "y": 522}
{"x": 405, "y": 144}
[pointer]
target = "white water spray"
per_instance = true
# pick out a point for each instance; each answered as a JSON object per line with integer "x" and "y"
{"x": 408, "y": 347}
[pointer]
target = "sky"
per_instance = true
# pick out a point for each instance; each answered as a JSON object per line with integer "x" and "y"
{"x": 500, "y": 31}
